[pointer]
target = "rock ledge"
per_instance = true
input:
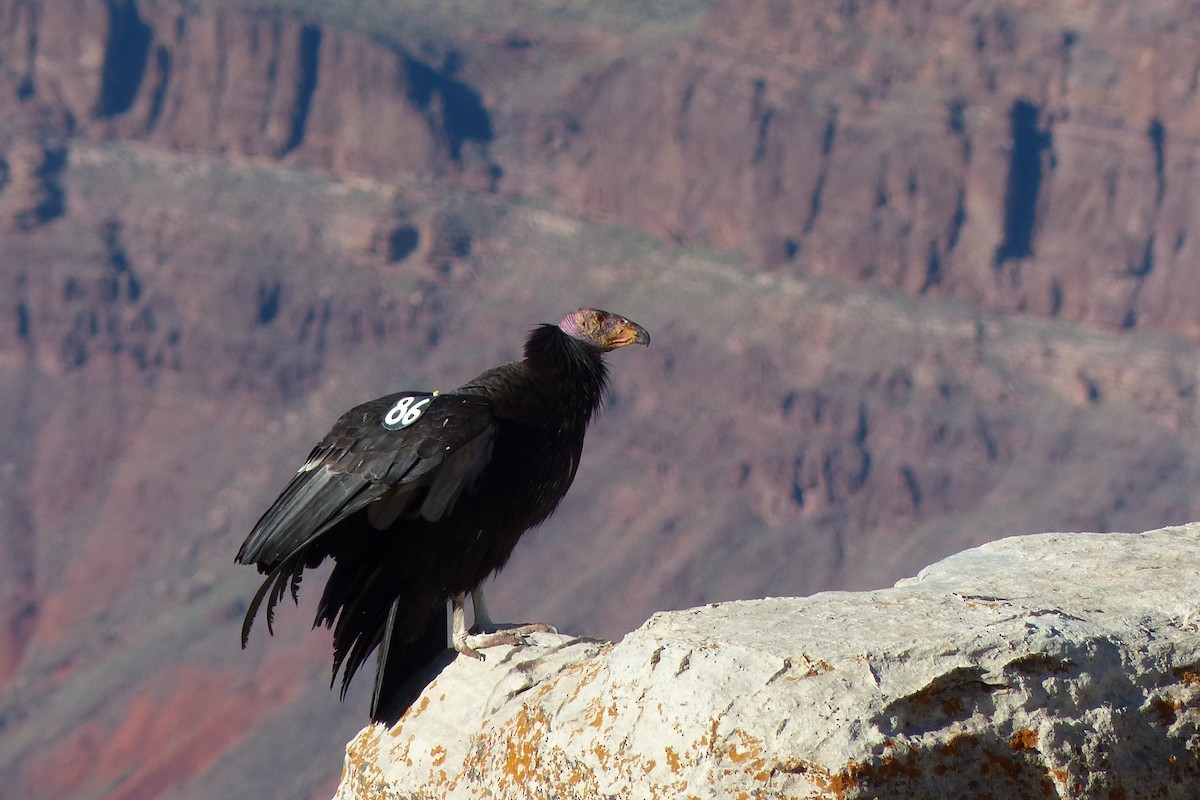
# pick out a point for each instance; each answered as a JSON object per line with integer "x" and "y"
{"x": 1058, "y": 665}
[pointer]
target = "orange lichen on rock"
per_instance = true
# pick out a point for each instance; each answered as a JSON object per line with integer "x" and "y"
{"x": 672, "y": 759}
{"x": 1024, "y": 739}
{"x": 1165, "y": 709}
{"x": 522, "y": 750}
{"x": 1189, "y": 676}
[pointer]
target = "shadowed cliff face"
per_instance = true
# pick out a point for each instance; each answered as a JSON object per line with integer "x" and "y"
{"x": 218, "y": 230}
{"x": 1022, "y": 159}
{"x": 215, "y": 80}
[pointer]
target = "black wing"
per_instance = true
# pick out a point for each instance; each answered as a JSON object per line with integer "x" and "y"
{"x": 381, "y": 451}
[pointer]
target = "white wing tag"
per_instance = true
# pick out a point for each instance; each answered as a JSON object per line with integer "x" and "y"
{"x": 406, "y": 411}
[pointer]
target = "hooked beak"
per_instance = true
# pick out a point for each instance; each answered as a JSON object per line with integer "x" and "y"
{"x": 627, "y": 332}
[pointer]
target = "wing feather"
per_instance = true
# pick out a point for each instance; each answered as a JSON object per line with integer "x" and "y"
{"x": 358, "y": 463}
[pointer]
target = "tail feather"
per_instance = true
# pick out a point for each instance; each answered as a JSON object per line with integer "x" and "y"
{"x": 377, "y": 598}
{"x": 362, "y": 613}
{"x": 283, "y": 577}
{"x": 402, "y": 674}
{"x": 378, "y": 595}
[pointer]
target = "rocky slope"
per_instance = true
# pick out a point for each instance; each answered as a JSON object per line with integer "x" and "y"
{"x": 209, "y": 250}
{"x": 1039, "y": 666}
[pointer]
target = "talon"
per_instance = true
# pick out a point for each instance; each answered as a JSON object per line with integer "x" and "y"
{"x": 461, "y": 646}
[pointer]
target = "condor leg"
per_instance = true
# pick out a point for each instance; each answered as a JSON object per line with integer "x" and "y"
{"x": 486, "y": 633}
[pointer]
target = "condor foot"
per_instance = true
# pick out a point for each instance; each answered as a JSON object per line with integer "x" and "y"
{"x": 496, "y": 634}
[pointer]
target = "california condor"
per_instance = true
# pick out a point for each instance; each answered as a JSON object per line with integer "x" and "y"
{"x": 418, "y": 497}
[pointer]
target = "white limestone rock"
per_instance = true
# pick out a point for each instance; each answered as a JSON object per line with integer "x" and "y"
{"x": 1059, "y": 665}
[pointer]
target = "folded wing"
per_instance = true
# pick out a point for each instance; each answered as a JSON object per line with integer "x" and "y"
{"x": 403, "y": 455}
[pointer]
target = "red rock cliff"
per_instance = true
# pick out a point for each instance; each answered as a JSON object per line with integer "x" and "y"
{"x": 1023, "y": 157}
{"x": 1020, "y": 157}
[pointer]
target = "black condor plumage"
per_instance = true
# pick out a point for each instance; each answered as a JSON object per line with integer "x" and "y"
{"x": 418, "y": 497}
